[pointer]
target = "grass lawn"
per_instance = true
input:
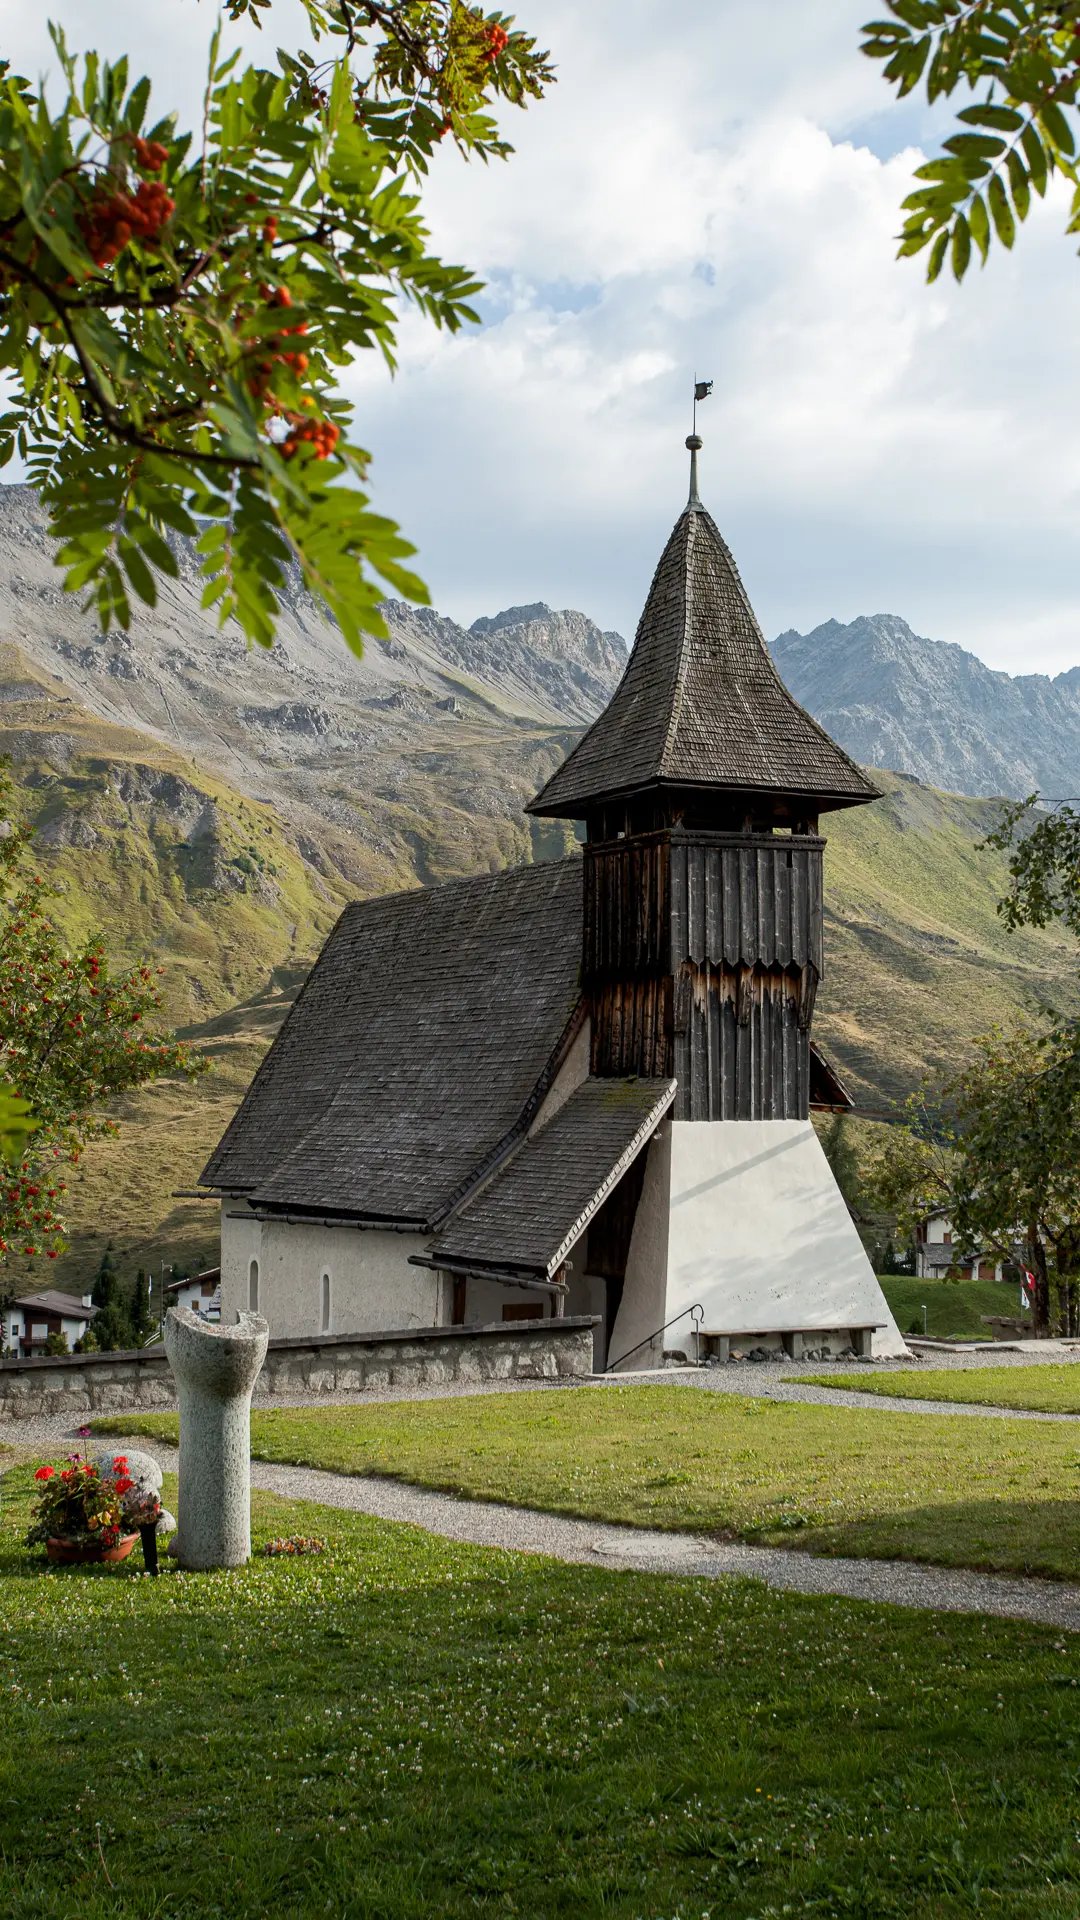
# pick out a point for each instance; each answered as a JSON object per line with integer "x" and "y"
{"x": 954, "y": 1308}
{"x": 1042, "y": 1388}
{"x": 985, "y": 1493}
{"x": 406, "y": 1727}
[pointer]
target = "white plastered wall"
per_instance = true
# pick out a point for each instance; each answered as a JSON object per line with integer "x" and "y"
{"x": 745, "y": 1218}
{"x": 485, "y": 1300}
{"x": 373, "y": 1289}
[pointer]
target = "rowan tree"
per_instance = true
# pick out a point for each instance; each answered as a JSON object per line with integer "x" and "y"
{"x": 1022, "y": 58}
{"x": 74, "y": 1032}
{"x": 177, "y": 307}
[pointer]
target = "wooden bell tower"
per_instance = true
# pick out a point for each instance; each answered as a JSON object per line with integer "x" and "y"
{"x": 700, "y": 786}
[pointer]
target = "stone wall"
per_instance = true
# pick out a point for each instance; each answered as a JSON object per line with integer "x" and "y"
{"x": 88, "y": 1383}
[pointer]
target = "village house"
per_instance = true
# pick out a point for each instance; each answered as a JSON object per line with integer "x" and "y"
{"x": 583, "y": 1087}
{"x": 936, "y": 1256}
{"x": 29, "y": 1320}
{"x": 199, "y": 1291}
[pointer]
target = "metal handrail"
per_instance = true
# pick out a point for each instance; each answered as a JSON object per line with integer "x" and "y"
{"x": 650, "y": 1337}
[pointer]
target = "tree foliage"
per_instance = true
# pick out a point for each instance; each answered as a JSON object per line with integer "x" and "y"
{"x": 73, "y": 1033}
{"x": 999, "y": 1151}
{"x": 177, "y": 308}
{"x": 842, "y": 1155}
{"x": 1022, "y": 57}
{"x": 1044, "y": 864}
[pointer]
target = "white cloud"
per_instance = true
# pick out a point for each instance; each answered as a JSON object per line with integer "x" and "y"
{"x": 715, "y": 188}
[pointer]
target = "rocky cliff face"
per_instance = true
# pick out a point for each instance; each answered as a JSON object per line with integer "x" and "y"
{"x": 565, "y": 654}
{"x": 895, "y": 699}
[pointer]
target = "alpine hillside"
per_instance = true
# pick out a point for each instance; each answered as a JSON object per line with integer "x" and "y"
{"x": 215, "y": 808}
{"x": 894, "y": 699}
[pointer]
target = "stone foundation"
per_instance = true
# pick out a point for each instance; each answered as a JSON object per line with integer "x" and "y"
{"x": 89, "y": 1383}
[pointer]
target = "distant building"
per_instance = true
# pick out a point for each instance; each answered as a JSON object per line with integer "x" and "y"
{"x": 30, "y": 1320}
{"x": 936, "y": 1256}
{"x": 584, "y": 1086}
{"x": 201, "y": 1292}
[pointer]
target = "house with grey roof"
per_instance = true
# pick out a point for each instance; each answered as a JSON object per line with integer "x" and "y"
{"x": 583, "y": 1086}
{"x": 28, "y": 1321}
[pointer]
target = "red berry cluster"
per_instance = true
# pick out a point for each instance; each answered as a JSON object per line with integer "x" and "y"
{"x": 497, "y": 38}
{"x": 262, "y": 373}
{"x": 150, "y": 155}
{"x": 322, "y": 435}
{"x": 112, "y": 220}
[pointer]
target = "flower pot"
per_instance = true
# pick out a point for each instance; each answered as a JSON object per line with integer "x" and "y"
{"x": 72, "y": 1552}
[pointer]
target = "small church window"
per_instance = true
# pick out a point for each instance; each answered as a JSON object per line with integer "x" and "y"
{"x": 253, "y": 1287}
{"x": 326, "y": 1303}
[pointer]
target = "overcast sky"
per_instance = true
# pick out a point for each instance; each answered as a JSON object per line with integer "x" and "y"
{"x": 712, "y": 187}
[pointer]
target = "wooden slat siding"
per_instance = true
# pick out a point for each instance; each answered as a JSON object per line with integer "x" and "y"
{"x": 782, "y": 878}
{"x": 677, "y": 882}
{"x": 765, "y": 887}
{"x": 817, "y": 916}
{"x": 699, "y": 1055}
{"x": 738, "y": 918}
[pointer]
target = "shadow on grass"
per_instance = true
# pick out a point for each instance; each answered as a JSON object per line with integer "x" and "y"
{"x": 1036, "y": 1536}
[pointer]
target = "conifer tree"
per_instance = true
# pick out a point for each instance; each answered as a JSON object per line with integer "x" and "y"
{"x": 141, "y": 1319}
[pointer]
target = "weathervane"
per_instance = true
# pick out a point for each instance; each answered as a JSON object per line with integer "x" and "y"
{"x": 702, "y": 390}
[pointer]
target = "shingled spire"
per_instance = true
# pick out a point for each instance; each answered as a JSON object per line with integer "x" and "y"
{"x": 701, "y": 705}
{"x": 700, "y": 787}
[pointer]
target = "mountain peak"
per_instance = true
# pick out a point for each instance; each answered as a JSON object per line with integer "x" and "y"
{"x": 895, "y": 699}
{"x": 514, "y": 617}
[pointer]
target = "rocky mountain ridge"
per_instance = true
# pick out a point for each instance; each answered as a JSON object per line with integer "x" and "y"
{"x": 411, "y": 763}
{"x": 895, "y": 699}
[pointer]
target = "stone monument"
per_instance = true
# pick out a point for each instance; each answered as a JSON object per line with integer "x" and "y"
{"x": 215, "y": 1369}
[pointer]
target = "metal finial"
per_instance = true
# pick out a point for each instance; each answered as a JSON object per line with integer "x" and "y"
{"x": 694, "y": 442}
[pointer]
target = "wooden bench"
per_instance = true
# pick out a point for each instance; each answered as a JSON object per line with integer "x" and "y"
{"x": 718, "y": 1342}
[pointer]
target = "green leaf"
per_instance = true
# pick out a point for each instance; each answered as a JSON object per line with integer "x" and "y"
{"x": 975, "y": 145}
{"x": 1054, "y": 123}
{"x": 961, "y": 247}
{"x": 1006, "y": 119}
{"x": 1018, "y": 181}
{"x": 1001, "y": 212}
{"x": 17, "y": 1122}
{"x": 937, "y": 255}
{"x": 138, "y": 572}
{"x": 979, "y": 222}
{"x": 1037, "y": 158}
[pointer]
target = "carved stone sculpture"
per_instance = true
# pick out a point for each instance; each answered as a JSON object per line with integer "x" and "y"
{"x": 215, "y": 1368}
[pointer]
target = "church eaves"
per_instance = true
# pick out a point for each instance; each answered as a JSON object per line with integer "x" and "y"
{"x": 701, "y": 704}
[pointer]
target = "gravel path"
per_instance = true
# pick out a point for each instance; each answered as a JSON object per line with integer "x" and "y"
{"x": 483, "y": 1523}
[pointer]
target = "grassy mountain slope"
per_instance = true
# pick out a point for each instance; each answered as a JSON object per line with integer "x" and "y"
{"x": 236, "y": 900}
{"x": 917, "y": 959}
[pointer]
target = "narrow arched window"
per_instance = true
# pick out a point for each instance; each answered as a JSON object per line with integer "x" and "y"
{"x": 326, "y": 1303}
{"x": 253, "y": 1287}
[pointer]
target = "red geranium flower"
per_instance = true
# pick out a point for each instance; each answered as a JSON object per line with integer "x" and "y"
{"x": 45, "y": 1473}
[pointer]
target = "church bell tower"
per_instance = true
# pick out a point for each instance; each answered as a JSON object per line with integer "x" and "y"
{"x": 701, "y": 786}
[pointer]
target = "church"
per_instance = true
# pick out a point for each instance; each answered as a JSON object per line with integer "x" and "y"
{"x": 584, "y": 1087}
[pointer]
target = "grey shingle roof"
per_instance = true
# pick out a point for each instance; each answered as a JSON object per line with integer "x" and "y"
{"x": 414, "y": 1049}
{"x": 700, "y": 702}
{"x": 528, "y": 1217}
{"x": 50, "y": 1301}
